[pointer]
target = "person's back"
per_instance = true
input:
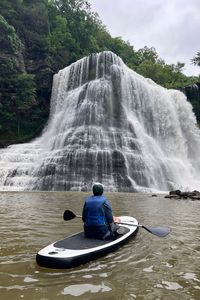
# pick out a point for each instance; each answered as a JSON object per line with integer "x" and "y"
{"x": 97, "y": 215}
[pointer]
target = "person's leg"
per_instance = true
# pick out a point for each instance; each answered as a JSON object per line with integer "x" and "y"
{"x": 117, "y": 229}
{"x": 109, "y": 235}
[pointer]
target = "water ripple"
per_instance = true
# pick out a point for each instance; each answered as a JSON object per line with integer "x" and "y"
{"x": 147, "y": 267}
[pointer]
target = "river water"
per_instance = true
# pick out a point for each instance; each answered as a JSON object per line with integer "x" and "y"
{"x": 148, "y": 267}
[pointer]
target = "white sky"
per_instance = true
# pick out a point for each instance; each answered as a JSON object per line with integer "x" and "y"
{"x": 171, "y": 26}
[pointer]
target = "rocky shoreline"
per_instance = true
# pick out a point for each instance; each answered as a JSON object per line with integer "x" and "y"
{"x": 177, "y": 194}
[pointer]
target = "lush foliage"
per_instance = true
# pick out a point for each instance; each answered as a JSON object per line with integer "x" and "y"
{"x": 196, "y": 59}
{"x": 39, "y": 37}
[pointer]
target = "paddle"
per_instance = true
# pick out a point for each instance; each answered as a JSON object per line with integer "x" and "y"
{"x": 158, "y": 231}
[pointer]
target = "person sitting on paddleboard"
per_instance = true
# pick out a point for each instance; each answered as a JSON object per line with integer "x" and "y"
{"x": 97, "y": 216}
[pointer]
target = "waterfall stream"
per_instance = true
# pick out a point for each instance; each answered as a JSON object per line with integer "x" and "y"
{"x": 108, "y": 124}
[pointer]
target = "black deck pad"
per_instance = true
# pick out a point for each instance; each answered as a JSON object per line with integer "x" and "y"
{"x": 79, "y": 242}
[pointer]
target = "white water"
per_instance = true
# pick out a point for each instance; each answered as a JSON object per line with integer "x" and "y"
{"x": 108, "y": 124}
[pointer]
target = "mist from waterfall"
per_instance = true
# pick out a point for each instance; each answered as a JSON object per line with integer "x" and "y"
{"x": 108, "y": 124}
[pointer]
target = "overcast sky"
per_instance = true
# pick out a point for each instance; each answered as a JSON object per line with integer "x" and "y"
{"x": 171, "y": 26}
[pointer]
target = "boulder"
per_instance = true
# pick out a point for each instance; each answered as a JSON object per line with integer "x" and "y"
{"x": 177, "y": 194}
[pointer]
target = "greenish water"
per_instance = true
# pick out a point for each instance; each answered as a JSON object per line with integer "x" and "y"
{"x": 147, "y": 267}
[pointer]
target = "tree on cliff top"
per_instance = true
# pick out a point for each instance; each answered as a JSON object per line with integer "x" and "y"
{"x": 196, "y": 59}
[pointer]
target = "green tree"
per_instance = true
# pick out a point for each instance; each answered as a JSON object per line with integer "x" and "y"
{"x": 147, "y": 53}
{"x": 9, "y": 40}
{"x": 196, "y": 59}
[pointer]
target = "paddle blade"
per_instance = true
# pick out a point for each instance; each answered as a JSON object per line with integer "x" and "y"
{"x": 68, "y": 215}
{"x": 158, "y": 231}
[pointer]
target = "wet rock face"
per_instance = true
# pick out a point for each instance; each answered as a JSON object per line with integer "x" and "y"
{"x": 192, "y": 93}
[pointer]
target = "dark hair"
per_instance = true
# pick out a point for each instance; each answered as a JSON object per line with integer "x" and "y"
{"x": 97, "y": 189}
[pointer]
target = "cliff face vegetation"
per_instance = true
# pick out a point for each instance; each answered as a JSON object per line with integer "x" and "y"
{"x": 38, "y": 38}
{"x": 25, "y": 77}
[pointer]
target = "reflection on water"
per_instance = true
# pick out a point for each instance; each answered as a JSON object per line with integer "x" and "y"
{"x": 80, "y": 289}
{"x": 147, "y": 267}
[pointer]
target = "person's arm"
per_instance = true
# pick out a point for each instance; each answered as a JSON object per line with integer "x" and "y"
{"x": 83, "y": 214}
{"x": 109, "y": 215}
{"x": 108, "y": 212}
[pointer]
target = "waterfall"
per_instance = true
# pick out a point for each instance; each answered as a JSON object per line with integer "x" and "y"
{"x": 111, "y": 125}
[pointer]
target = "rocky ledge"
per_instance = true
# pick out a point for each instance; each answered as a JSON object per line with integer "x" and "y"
{"x": 177, "y": 194}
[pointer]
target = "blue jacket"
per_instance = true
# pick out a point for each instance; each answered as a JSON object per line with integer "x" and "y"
{"x": 97, "y": 215}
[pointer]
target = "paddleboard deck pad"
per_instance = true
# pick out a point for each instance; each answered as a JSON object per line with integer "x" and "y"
{"x": 76, "y": 250}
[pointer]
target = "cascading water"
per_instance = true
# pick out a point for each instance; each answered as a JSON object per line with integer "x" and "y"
{"x": 108, "y": 124}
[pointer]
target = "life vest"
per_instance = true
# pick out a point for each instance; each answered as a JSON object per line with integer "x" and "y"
{"x": 95, "y": 215}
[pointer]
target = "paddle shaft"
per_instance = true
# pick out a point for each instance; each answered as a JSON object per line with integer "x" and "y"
{"x": 158, "y": 231}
